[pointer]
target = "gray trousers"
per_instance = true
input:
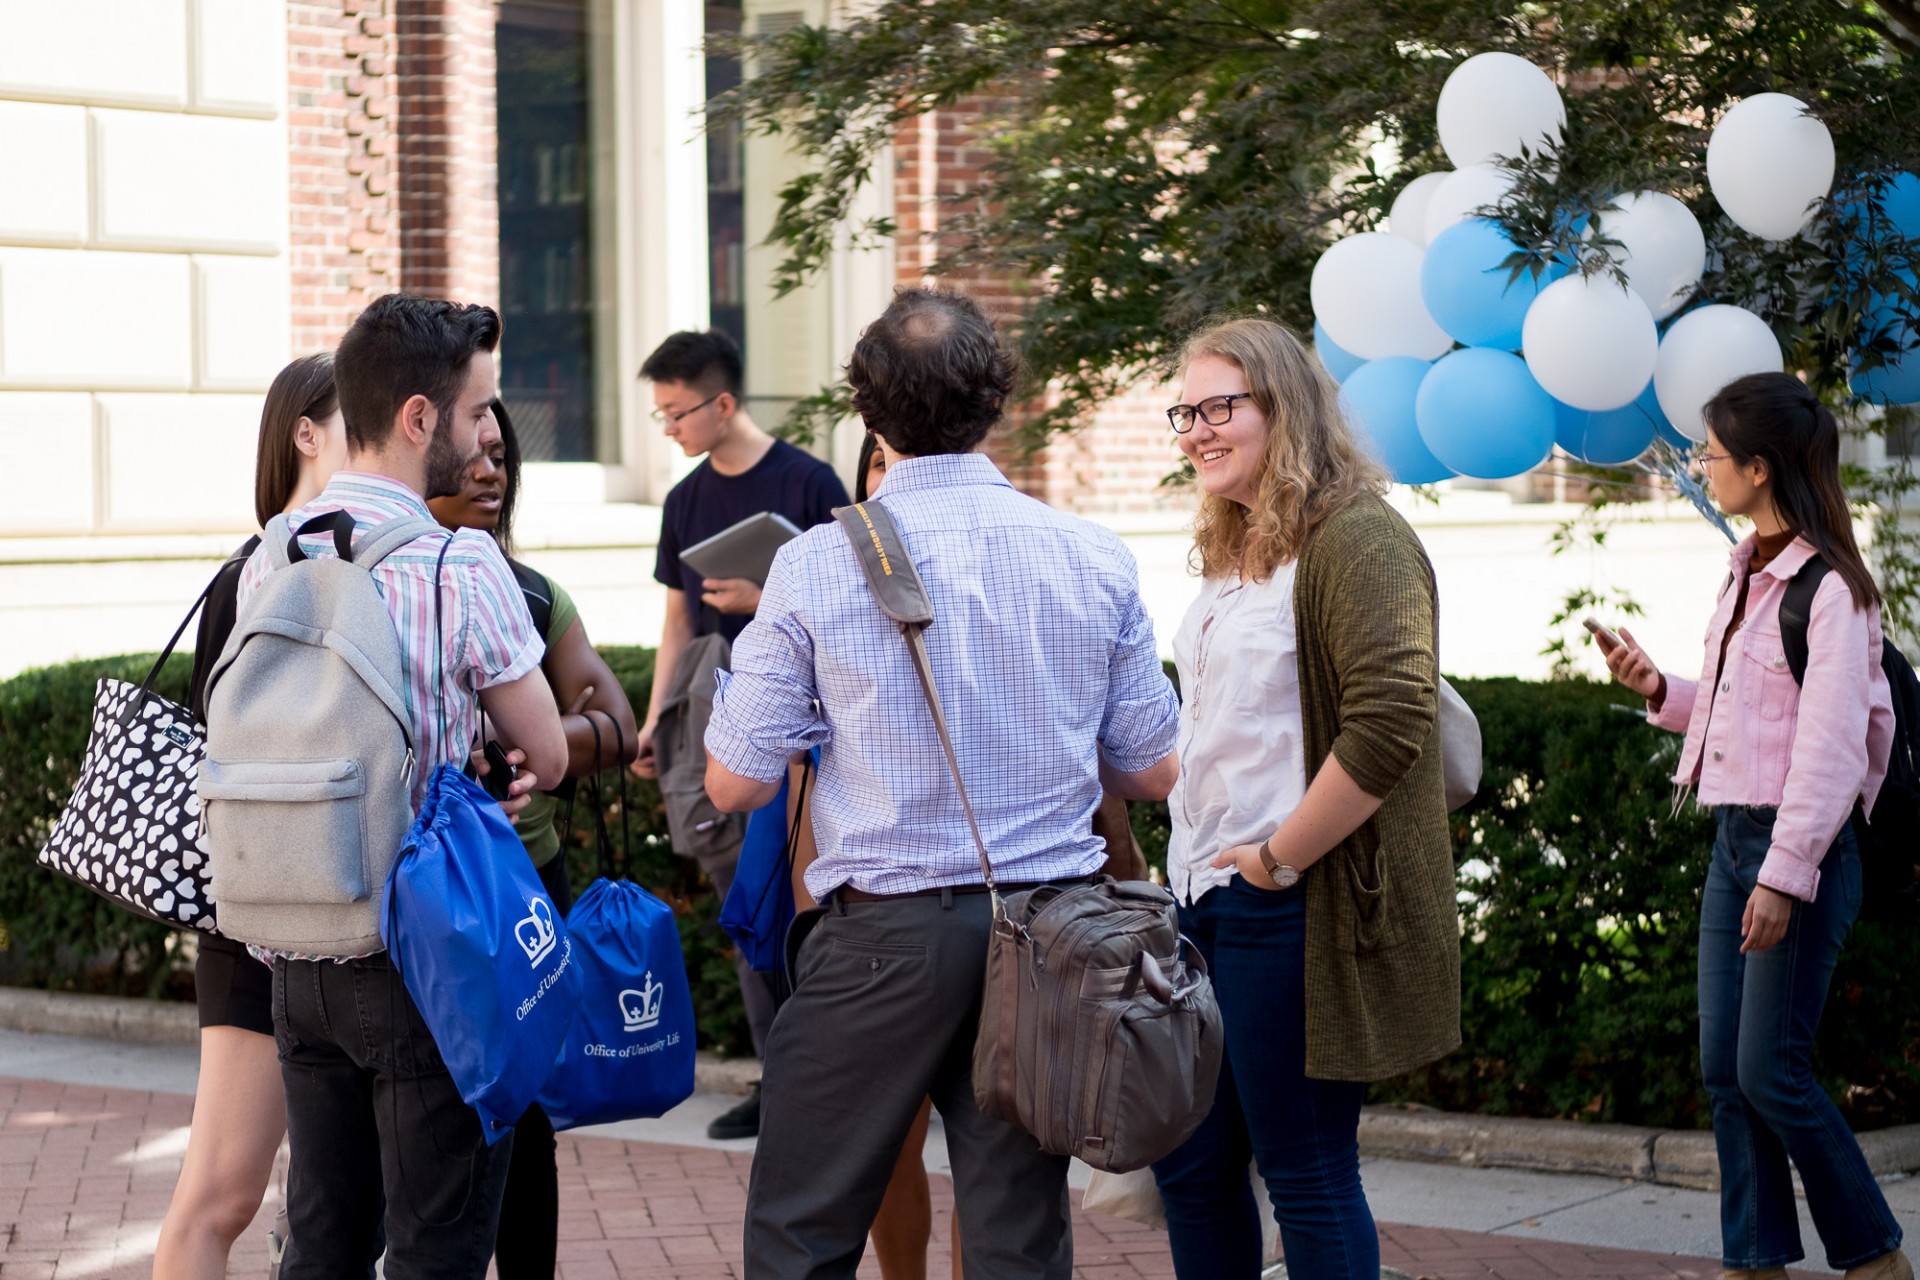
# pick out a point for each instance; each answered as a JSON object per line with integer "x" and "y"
{"x": 884, "y": 1012}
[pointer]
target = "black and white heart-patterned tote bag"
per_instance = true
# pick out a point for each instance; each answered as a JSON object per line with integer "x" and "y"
{"x": 132, "y": 829}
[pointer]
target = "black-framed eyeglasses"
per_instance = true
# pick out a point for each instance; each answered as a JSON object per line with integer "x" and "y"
{"x": 1215, "y": 411}
{"x": 660, "y": 416}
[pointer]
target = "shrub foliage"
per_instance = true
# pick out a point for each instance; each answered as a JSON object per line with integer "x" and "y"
{"x": 1579, "y": 897}
{"x": 1579, "y": 892}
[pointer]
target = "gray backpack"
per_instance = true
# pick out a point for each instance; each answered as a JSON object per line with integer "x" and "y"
{"x": 698, "y": 828}
{"x": 306, "y": 789}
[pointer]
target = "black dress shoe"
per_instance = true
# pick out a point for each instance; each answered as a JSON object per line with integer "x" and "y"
{"x": 742, "y": 1121}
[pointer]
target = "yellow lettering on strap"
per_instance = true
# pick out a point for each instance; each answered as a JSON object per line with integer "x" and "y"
{"x": 886, "y": 566}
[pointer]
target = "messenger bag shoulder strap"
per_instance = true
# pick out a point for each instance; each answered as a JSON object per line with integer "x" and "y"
{"x": 903, "y": 597}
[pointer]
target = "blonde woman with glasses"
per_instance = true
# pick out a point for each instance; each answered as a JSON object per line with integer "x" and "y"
{"x": 1309, "y": 852}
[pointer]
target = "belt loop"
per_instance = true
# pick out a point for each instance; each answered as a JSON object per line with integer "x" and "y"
{"x": 946, "y": 898}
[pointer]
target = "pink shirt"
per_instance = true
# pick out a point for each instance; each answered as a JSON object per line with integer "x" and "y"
{"x": 1760, "y": 739}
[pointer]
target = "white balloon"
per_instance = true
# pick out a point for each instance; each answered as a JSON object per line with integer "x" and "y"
{"x": 1703, "y": 352}
{"x": 1366, "y": 295}
{"x": 1769, "y": 164}
{"x": 1463, "y": 191}
{"x": 1493, "y": 105}
{"x": 1409, "y": 214}
{"x": 1590, "y": 342}
{"x": 1662, "y": 249}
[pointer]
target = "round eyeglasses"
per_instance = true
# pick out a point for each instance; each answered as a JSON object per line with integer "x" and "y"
{"x": 1215, "y": 411}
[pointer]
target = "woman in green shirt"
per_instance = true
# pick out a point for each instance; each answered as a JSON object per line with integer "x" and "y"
{"x": 600, "y": 735}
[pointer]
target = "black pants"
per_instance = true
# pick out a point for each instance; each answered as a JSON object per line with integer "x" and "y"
{"x": 371, "y": 1107}
{"x": 527, "y": 1246}
{"x": 885, "y": 1007}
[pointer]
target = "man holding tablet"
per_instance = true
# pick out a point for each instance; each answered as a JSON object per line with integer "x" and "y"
{"x": 696, "y": 381}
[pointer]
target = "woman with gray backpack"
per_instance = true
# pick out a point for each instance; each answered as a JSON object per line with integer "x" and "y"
{"x": 240, "y": 1111}
{"x": 1309, "y": 853}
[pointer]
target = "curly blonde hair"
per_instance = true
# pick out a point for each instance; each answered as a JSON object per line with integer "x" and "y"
{"x": 1313, "y": 466}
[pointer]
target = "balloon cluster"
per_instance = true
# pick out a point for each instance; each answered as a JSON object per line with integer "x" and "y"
{"x": 1558, "y": 356}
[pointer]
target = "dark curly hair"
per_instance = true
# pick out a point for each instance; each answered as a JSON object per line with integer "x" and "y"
{"x": 930, "y": 375}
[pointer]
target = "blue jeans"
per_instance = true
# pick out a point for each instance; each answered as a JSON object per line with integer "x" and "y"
{"x": 1302, "y": 1134}
{"x": 1758, "y": 1015}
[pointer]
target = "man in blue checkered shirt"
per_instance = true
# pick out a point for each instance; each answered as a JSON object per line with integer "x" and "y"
{"x": 1046, "y": 664}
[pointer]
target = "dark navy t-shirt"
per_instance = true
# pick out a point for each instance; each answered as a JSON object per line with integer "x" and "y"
{"x": 787, "y": 481}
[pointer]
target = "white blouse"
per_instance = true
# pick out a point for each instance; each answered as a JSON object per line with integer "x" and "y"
{"x": 1242, "y": 740}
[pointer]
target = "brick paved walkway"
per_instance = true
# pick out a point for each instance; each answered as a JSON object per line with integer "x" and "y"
{"x": 85, "y": 1174}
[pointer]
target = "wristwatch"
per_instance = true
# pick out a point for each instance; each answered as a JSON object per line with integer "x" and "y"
{"x": 1284, "y": 876}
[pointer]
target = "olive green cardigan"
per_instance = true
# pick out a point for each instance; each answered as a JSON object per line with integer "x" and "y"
{"x": 1383, "y": 930}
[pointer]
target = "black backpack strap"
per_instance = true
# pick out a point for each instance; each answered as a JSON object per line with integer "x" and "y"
{"x": 538, "y": 593}
{"x": 1796, "y": 610}
{"x": 338, "y": 523}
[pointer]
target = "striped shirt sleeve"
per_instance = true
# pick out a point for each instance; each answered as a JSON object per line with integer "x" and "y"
{"x": 498, "y": 643}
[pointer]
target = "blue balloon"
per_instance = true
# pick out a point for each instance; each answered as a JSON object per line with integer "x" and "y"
{"x": 1665, "y": 431}
{"x": 1610, "y": 437}
{"x": 1898, "y": 380}
{"x": 1900, "y": 202}
{"x": 1481, "y": 413}
{"x": 1380, "y": 397}
{"x": 1339, "y": 362}
{"x": 1467, "y": 290}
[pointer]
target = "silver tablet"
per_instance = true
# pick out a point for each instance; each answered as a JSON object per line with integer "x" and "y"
{"x": 744, "y": 550}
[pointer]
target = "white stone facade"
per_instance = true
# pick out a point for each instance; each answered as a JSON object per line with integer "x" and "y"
{"x": 143, "y": 271}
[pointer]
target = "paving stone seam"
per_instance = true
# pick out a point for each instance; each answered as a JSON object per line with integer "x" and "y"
{"x": 1660, "y": 1156}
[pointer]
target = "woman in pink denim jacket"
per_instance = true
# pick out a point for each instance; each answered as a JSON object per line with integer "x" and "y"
{"x": 1787, "y": 768}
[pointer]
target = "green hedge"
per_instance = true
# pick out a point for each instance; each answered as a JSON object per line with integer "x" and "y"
{"x": 1580, "y": 893}
{"x": 58, "y": 935}
{"x": 1579, "y": 897}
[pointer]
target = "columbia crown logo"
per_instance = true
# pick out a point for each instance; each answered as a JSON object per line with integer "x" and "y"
{"x": 641, "y": 1009}
{"x": 536, "y": 934}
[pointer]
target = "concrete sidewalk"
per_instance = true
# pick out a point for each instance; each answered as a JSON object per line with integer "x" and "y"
{"x": 91, "y": 1135}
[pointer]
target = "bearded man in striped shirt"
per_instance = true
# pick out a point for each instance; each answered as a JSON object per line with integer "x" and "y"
{"x": 371, "y": 1107}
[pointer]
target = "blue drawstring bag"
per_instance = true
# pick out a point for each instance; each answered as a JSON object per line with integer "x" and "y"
{"x": 629, "y": 1051}
{"x": 759, "y": 906}
{"x": 481, "y": 949}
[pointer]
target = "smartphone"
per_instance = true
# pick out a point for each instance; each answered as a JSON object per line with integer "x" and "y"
{"x": 499, "y": 775}
{"x": 1608, "y": 640}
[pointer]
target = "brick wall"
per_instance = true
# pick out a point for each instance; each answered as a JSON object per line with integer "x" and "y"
{"x": 392, "y": 156}
{"x": 343, "y": 84}
{"x": 1112, "y": 465}
{"x": 449, "y": 202}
